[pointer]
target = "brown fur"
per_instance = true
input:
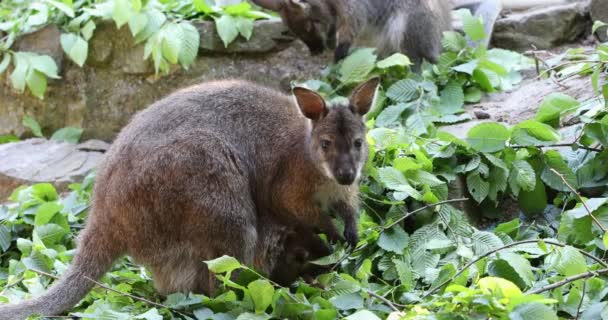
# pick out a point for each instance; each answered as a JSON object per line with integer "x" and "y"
{"x": 208, "y": 171}
{"x": 414, "y": 27}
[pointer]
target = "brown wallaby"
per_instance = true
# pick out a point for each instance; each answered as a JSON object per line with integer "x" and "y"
{"x": 194, "y": 176}
{"x": 414, "y": 27}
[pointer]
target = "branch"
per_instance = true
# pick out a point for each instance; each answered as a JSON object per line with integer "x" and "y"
{"x": 597, "y": 222}
{"x": 101, "y": 285}
{"x": 408, "y": 214}
{"x": 567, "y": 280}
{"x": 510, "y": 245}
{"x": 580, "y": 146}
{"x": 383, "y": 299}
{"x": 580, "y": 304}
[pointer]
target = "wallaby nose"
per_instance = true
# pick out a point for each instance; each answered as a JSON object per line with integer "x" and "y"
{"x": 345, "y": 176}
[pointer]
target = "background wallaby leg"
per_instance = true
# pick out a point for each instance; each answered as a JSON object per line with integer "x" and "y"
{"x": 487, "y": 10}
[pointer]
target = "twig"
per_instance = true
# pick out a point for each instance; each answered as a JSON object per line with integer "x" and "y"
{"x": 101, "y": 285}
{"x": 567, "y": 280}
{"x": 510, "y": 245}
{"x": 580, "y": 304}
{"x": 597, "y": 222}
{"x": 408, "y": 214}
{"x": 567, "y": 63}
{"x": 561, "y": 145}
{"x": 383, "y": 299}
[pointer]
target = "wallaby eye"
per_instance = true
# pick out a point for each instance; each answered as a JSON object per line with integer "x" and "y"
{"x": 358, "y": 143}
{"x": 325, "y": 144}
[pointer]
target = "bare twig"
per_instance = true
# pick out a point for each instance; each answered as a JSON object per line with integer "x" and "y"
{"x": 383, "y": 299}
{"x": 408, "y": 214}
{"x": 597, "y": 222}
{"x": 567, "y": 280}
{"x": 510, "y": 245}
{"x": 101, "y": 285}
{"x": 580, "y": 304}
{"x": 580, "y": 146}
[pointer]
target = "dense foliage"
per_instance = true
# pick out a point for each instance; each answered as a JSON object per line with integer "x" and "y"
{"x": 165, "y": 26}
{"x": 418, "y": 257}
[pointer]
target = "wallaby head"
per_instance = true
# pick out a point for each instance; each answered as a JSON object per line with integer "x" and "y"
{"x": 312, "y": 21}
{"x": 337, "y": 143}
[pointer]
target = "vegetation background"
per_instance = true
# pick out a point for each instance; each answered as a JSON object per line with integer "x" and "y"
{"x": 419, "y": 256}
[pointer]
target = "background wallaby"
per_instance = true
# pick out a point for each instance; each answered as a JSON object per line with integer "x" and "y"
{"x": 414, "y": 27}
{"x": 193, "y": 176}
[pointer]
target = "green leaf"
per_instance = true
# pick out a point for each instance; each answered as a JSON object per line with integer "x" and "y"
{"x": 190, "y": 45}
{"x": 554, "y": 160}
{"x": 68, "y": 134}
{"x": 605, "y": 239}
{"x": 33, "y": 125}
{"x": 88, "y": 29}
{"x": 151, "y": 314}
{"x": 75, "y": 47}
{"x": 532, "y": 311}
{"x": 357, "y": 66}
{"x": 5, "y": 238}
{"x": 568, "y": 261}
{"x": 226, "y": 29}
{"x": 522, "y": 176}
{"x": 394, "y": 239}
{"x": 488, "y": 137}
{"x": 50, "y": 234}
{"x": 44, "y": 64}
{"x": 452, "y": 98}
{"x": 554, "y": 105}
{"x": 484, "y": 242}
{"x": 514, "y": 268}
{"x": 472, "y": 26}
{"x": 245, "y": 26}
{"x": 394, "y": 179}
{"x": 202, "y": 6}
{"x": 123, "y": 11}
{"x": 46, "y": 212}
{"x": 36, "y": 82}
{"x": 22, "y": 67}
{"x": 404, "y": 270}
{"x": 533, "y": 133}
{"x": 391, "y": 114}
{"x": 138, "y": 23}
{"x": 363, "y": 315}
{"x": 6, "y": 59}
{"x": 397, "y": 59}
{"x": 347, "y": 301}
{"x": 403, "y": 90}
{"x": 453, "y": 41}
{"x": 62, "y": 7}
{"x": 223, "y": 264}
{"x": 171, "y": 42}
{"x": 477, "y": 186}
{"x": 261, "y": 293}
{"x": 238, "y": 9}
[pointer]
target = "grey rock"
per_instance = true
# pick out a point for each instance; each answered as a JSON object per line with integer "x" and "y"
{"x": 599, "y": 12}
{"x": 542, "y": 28}
{"x": 40, "y": 160}
{"x": 117, "y": 82}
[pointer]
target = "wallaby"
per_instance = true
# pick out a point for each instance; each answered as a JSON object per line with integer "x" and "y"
{"x": 414, "y": 27}
{"x": 193, "y": 176}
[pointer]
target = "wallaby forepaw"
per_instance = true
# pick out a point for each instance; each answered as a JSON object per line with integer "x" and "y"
{"x": 341, "y": 52}
{"x": 352, "y": 236}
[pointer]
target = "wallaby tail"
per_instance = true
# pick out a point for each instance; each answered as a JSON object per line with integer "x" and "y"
{"x": 94, "y": 257}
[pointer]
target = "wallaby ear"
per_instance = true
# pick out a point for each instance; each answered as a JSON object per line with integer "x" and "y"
{"x": 363, "y": 96}
{"x": 298, "y": 4}
{"x": 272, "y": 5}
{"x": 311, "y": 103}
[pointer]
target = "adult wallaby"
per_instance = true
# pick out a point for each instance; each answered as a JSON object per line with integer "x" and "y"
{"x": 194, "y": 175}
{"x": 414, "y": 27}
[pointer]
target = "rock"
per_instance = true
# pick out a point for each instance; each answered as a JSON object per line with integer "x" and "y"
{"x": 481, "y": 114}
{"x": 542, "y": 28}
{"x": 268, "y": 35}
{"x": 599, "y": 12}
{"x": 43, "y": 41}
{"x": 117, "y": 82}
{"x": 40, "y": 160}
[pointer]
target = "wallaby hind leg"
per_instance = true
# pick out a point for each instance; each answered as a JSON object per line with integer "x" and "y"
{"x": 181, "y": 267}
